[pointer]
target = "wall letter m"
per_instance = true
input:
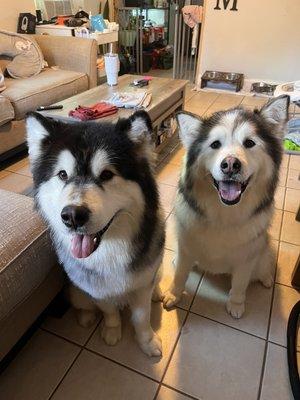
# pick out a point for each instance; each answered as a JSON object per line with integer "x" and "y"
{"x": 226, "y": 4}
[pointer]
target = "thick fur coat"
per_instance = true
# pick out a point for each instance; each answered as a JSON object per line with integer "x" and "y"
{"x": 95, "y": 188}
{"x": 225, "y": 199}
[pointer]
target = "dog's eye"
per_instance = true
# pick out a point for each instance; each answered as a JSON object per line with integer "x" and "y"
{"x": 248, "y": 143}
{"x": 63, "y": 175}
{"x": 106, "y": 175}
{"x": 216, "y": 144}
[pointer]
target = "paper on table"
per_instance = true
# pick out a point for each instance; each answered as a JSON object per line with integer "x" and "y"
{"x": 127, "y": 99}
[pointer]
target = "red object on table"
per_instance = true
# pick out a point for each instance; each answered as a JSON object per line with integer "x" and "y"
{"x": 62, "y": 18}
{"x": 96, "y": 111}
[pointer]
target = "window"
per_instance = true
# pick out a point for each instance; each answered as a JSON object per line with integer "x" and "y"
{"x": 51, "y": 8}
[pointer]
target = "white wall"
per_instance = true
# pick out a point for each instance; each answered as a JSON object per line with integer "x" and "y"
{"x": 261, "y": 39}
{"x": 10, "y": 10}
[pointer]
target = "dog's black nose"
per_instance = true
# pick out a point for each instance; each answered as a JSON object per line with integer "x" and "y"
{"x": 75, "y": 216}
{"x": 231, "y": 165}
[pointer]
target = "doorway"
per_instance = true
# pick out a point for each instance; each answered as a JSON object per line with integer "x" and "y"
{"x": 155, "y": 40}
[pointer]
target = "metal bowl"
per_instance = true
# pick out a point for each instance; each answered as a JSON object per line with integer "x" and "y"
{"x": 262, "y": 87}
{"x": 232, "y": 76}
{"x": 212, "y": 74}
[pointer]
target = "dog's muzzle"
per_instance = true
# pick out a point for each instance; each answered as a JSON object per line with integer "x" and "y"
{"x": 230, "y": 191}
{"x": 83, "y": 246}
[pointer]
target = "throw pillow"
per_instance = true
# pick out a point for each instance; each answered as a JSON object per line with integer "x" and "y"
{"x": 26, "y": 57}
{"x": 2, "y": 83}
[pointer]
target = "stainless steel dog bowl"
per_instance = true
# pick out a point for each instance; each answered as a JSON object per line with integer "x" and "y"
{"x": 262, "y": 87}
{"x": 231, "y": 76}
{"x": 212, "y": 74}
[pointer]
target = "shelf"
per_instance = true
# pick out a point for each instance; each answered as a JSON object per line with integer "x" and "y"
{"x": 105, "y": 38}
{"x": 61, "y": 30}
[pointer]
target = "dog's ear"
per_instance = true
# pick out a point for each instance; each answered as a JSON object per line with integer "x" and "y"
{"x": 275, "y": 112}
{"x": 189, "y": 127}
{"x": 140, "y": 127}
{"x": 37, "y": 127}
{"x": 139, "y": 130}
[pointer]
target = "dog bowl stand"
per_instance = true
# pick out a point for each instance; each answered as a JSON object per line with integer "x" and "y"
{"x": 231, "y": 78}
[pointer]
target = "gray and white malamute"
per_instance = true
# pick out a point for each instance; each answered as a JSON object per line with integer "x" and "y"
{"x": 95, "y": 188}
{"x": 224, "y": 204}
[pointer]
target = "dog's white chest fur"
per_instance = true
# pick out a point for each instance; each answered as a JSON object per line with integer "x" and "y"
{"x": 218, "y": 243}
{"x": 105, "y": 274}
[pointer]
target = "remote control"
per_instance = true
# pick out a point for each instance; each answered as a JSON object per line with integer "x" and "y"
{"x": 140, "y": 83}
{"x": 45, "y": 108}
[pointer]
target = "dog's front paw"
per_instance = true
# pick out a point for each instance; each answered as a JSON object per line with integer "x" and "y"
{"x": 86, "y": 318}
{"x": 111, "y": 334}
{"x": 170, "y": 299}
{"x": 153, "y": 348}
{"x": 236, "y": 310}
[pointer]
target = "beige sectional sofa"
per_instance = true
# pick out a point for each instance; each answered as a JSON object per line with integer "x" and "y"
{"x": 30, "y": 276}
{"x": 76, "y": 62}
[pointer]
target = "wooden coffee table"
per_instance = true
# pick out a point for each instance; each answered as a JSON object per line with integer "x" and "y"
{"x": 167, "y": 98}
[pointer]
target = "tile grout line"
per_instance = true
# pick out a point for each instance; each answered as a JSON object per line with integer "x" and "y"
{"x": 281, "y": 345}
{"x": 284, "y": 241}
{"x": 75, "y": 359}
{"x": 60, "y": 337}
{"x": 120, "y": 364}
{"x": 208, "y": 107}
{"x": 225, "y": 107}
{"x": 285, "y": 285}
{"x": 179, "y": 391}
{"x": 83, "y": 347}
{"x": 228, "y": 326}
{"x": 70, "y": 340}
{"x": 177, "y": 339}
{"x": 94, "y": 330}
{"x": 14, "y": 173}
{"x": 262, "y": 374}
{"x": 19, "y": 174}
{"x": 167, "y": 184}
{"x": 213, "y": 102}
{"x": 287, "y": 175}
{"x": 65, "y": 374}
{"x": 187, "y": 100}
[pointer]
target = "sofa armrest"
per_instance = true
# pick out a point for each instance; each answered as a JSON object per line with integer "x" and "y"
{"x": 70, "y": 53}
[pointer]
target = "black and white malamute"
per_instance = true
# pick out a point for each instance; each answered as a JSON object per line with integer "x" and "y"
{"x": 95, "y": 189}
{"x": 224, "y": 204}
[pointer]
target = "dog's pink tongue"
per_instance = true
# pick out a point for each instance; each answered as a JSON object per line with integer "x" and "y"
{"x": 230, "y": 190}
{"x": 82, "y": 245}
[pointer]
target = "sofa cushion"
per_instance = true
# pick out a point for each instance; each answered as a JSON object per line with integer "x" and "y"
{"x": 26, "y": 254}
{"x": 6, "y": 110}
{"x": 49, "y": 87}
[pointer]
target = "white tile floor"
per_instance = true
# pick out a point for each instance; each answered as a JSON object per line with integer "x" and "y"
{"x": 206, "y": 354}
